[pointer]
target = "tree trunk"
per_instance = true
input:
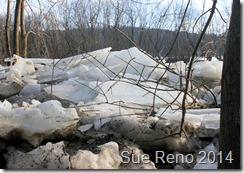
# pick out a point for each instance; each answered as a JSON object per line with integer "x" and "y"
{"x": 16, "y": 26}
{"x": 24, "y": 35}
{"x": 7, "y": 29}
{"x": 230, "y": 95}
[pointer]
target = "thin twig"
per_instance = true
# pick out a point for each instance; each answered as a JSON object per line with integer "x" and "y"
{"x": 178, "y": 31}
{"x": 191, "y": 63}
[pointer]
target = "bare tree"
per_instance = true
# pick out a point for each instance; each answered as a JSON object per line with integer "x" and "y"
{"x": 24, "y": 34}
{"x": 7, "y": 29}
{"x": 16, "y": 26}
{"x": 230, "y": 96}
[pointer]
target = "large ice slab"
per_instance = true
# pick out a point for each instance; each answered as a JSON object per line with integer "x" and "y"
{"x": 207, "y": 121}
{"x": 129, "y": 92}
{"x": 74, "y": 90}
{"x": 108, "y": 158}
{"x": 21, "y": 68}
{"x": 208, "y": 72}
{"x": 51, "y": 75}
{"x": 132, "y": 61}
{"x": 50, "y": 156}
{"x": 8, "y": 88}
{"x": 85, "y": 58}
{"x": 30, "y": 89}
{"x": 37, "y": 123}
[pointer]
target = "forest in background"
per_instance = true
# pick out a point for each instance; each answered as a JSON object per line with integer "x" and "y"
{"x": 65, "y": 28}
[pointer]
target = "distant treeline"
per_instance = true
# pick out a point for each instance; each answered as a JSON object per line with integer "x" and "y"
{"x": 157, "y": 42}
{"x": 60, "y": 44}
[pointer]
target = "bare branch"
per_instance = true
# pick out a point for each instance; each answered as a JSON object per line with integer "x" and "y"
{"x": 191, "y": 63}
